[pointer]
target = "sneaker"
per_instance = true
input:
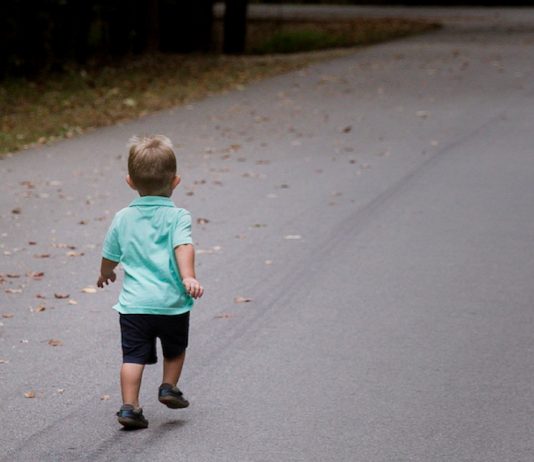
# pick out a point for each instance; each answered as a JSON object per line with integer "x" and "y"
{"x": 171, "y": 396}
{"x": 129, "y": 417}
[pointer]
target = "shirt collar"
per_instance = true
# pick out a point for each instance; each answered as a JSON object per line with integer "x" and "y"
{"x": 148, "y": 201}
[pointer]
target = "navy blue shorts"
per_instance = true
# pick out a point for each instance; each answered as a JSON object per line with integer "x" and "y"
{"x": 139, "y": 333}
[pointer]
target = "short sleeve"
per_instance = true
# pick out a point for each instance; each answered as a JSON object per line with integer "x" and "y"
{"x": 111, "y": 248}
{"x": 182, "y": 231}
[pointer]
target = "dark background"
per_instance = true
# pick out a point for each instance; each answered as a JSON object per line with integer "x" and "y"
{"x": 39, "y": 36}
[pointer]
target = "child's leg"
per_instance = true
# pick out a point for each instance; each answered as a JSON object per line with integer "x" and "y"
{"x": 131, "y": 375}
{"x": 172, "y": 368}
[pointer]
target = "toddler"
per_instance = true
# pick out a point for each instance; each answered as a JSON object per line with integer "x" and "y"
{"x": 151, "y": 238}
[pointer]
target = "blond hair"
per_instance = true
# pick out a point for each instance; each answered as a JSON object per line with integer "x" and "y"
{"x": 152, "y": 164}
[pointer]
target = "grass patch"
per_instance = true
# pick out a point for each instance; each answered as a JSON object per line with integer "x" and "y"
{"x": 301, "y": 36}
{"x": 62, "y": 106}
{"x": 297, "y": 41}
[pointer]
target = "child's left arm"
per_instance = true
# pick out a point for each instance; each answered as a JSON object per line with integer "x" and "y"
{"x": 185, "y": 258}
{"x": 107, "y": 273}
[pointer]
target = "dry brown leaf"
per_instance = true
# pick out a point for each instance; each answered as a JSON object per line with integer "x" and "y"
{"x": 12, "y": 275}
{"x": 8, "y": 315}
{"x": 39, "y": 309}
{"x": 41, "y": 296}
{"x": 89, "y": 290}
{"x": 105, "y": 398}
{"x": 29, "y": 394}
{"x": 240, "y": 299}
{"x": 72, "y": 302}
{"x": 35, "y": 275}
{"x": 60, "y": 295}
{"x": 42, "y": 255}
{"x": 202, "y": 221}
{"x": 55, "y": 342}
{"x": 16, "y": 211}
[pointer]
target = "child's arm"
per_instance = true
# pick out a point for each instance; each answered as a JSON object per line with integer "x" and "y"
{"x": 185, "y": 258}
{"x": 107, "y": 274}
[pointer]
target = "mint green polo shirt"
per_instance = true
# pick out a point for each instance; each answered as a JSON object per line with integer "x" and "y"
{"x": 142, "y": 237}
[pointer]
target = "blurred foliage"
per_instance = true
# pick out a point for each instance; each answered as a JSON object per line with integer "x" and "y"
{"x": 49, "y": 35}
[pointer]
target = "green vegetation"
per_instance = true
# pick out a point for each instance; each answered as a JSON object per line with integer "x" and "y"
{"x": 300, "y": 36}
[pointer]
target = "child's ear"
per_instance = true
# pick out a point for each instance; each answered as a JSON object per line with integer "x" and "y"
{"x": 130, "y": 183}
{"x": 176, "y": 181}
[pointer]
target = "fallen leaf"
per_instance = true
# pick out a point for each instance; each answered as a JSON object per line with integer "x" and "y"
{"x": 75, "y": 254}
{"x": 347, "y": 129}
{"x": 224, "y": 316}
{"x": 40, "y": 296}
{"x": 202, "y": 221}
{"x": 42, "y": 255}
{"x": 61, "y": 245}
{"x": 16, "y": 211}
{"x": 72, "y": 302}
{"x": 240, "y": 299}
{"x": 105, "y": 398}
{"x": 55, "y": 342}
{"x": 28, "y": 184}
{"x": 35, "y": 275}
{"x": 39, "y": 309}
{"x": 422, "y": 114}
{"x": 293, "y": 236}
{"x": 60, "y": 295}
{"x": 13, "y": 275}
{"x": 89, "y": 290}
{"x": 13, "y": 291}
{"x": 4, "y": 361}
{"x": 32, "y": 243}
{"x": 130, "y": 102}
{"x": 29, "y": 394}
{"x": 8, "y": 315}
{"x": 60, "y": 390}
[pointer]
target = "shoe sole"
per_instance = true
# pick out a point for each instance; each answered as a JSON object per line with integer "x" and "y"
{"x": 127, "y": 422}
{"x": 172, "y": 402}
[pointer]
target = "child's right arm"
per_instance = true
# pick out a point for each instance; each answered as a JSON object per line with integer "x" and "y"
{"x": 107, "y": 273}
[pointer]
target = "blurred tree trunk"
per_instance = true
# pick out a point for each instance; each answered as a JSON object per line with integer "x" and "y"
{"x": 235, "y": 26}
{"x": 186, "y": 26}
{"x": 152, "y": 39}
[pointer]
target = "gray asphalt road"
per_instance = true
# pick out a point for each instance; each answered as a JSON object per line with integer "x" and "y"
{"x": 377, "y": 209}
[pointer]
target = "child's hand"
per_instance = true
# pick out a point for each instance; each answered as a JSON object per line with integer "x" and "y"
{"x": 193, "y": 287}
{"x": 106, "y": 279}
